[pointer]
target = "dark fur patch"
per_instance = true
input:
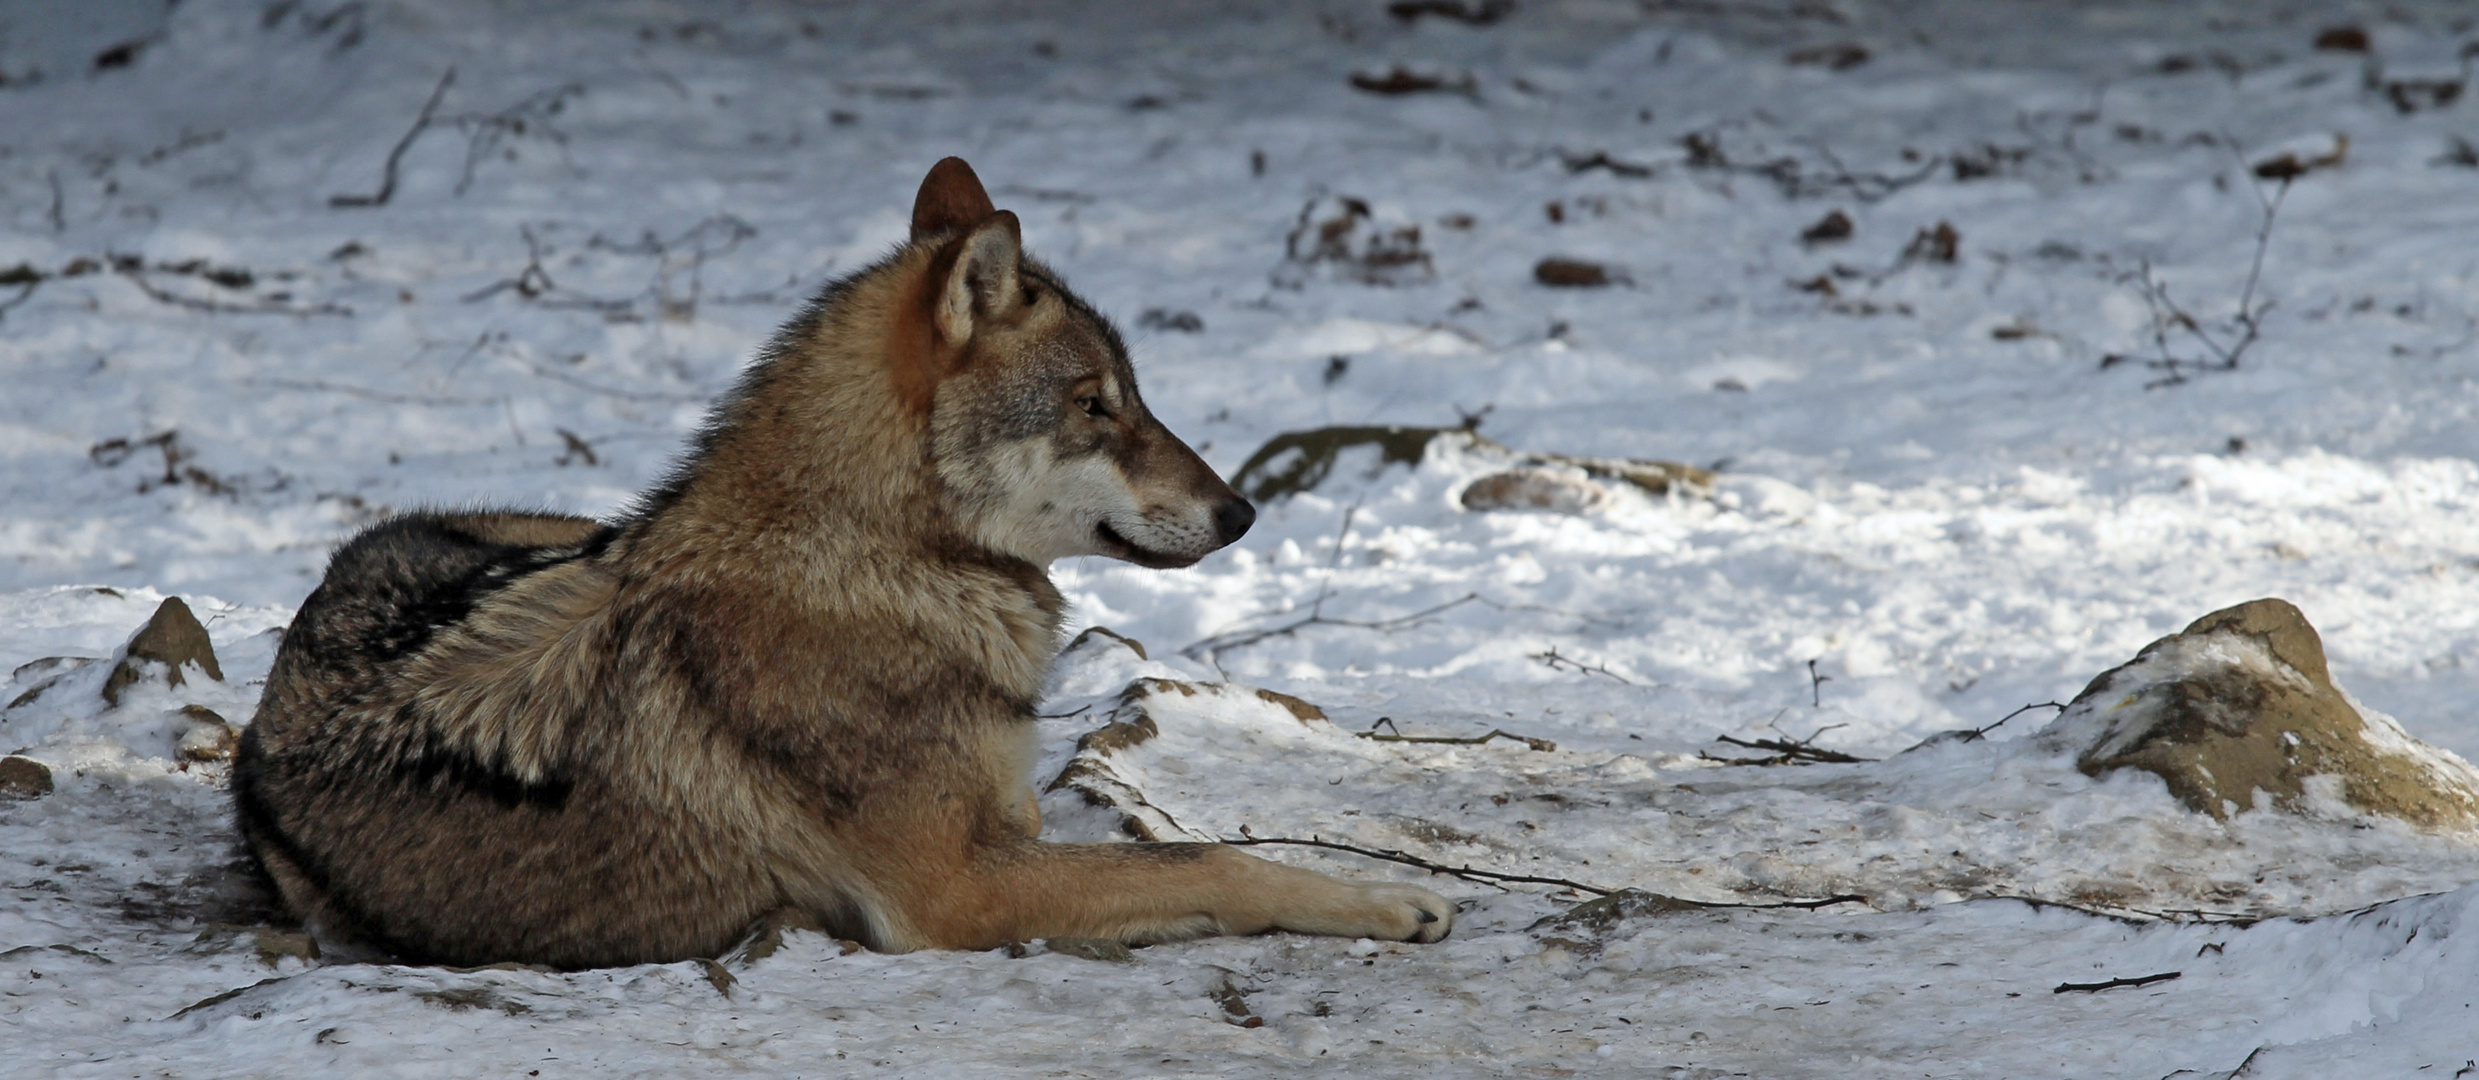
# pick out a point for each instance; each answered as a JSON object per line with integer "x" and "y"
{"x": 402, "y": 581}
{"x": 436, "y": 767}
{"x": 260, "y": 827}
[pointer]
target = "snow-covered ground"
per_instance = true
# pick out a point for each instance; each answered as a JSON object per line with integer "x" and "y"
{"x": 1949, "y": 488}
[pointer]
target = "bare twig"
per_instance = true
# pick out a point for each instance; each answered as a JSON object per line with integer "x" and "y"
{"x": 58, "y": 214}
{"x": 1543, "y": 745}
{"x": 390, "y": 397}
{"x": 1978, "y": 733}
{"x": 1562, "y": 663}
{"x": 129, "y": 267}
{"x": 25, "y": 292}
{"x": 485, "y": 130}
{"x": 395, "y": 155}
{"x": 2112, "y": 984}
{"x": 1816, "y": 686}
{"x": 1212, "y": 648}
{"x": 1467, "y": 873}
{"x": 2168, "y": 315}
{"x": 1704, "y": 151}
{"x": 1498, "y": 880}
{"x": 1787, "y": 751}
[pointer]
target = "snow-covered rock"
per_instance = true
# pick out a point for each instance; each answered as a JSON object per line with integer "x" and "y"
{"x": 2239, "y": 708}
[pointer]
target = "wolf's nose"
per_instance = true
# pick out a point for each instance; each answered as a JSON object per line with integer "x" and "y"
{"x": 1234, "y": 518}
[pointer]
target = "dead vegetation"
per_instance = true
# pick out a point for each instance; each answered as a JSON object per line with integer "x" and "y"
{"x": 2224, "y": 343}
{"x": 178, "y": 463}
{"x": 1796, "y": 179}
{"x": 1339, "y": 234}
{"x": 675, "y": 285}
{"x": 486, "y": 136}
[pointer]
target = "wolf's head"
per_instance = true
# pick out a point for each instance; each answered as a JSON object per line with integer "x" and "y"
{"x": 1041, "y": 444}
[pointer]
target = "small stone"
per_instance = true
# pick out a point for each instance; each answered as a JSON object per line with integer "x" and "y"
{"x": 2241, "y": 702}
{"x": 1941, "y": 244}
{"x": 2349, "y": 39}
{"x": 275, "y": 945}
{"x": 209, "y": 738}
{"x": 24, "y": 778}
{"x": 43, "y": 674}
{"x": 1568, "y": 273}
{"x": 1833, "y": 227}
{"x": 1089, "y": 948}
{"x": 173, "y": 638}
{"x": 1535, "y": 489}
{"x": 1299, "y": 710}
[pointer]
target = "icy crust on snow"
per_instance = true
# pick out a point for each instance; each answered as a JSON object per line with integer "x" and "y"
{"x": 129, "y": 944}
{"x": 1940, "y": 606}
{"x": 1950, "y": 821}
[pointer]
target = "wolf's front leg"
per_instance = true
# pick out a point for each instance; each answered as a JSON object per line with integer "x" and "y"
{"x": 1144, "y": 893}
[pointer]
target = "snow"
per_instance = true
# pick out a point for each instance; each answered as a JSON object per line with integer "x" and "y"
{"x": 1936, "y": 502}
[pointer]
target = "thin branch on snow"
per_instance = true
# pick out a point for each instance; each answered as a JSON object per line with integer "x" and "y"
{"x": 1557, "y": 662}
{"x": 396, "y": 154}
{"x": 2112, "y": 984}
{"x": 1978, "y": 733}
{"x": 1467, "y": 873}
{"x": 129, "y": 266}
{"x": 2168, "y": 315}
{"x": 1498, "y": 880}
{"x": 25, "y": 292}
{"x": 1543, "y": 745}
{"x": 1787, "y": 751}
{"x": 1212, "y": 648}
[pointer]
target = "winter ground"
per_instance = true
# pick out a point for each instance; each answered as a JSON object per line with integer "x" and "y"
{"x": 1935, "y": 485}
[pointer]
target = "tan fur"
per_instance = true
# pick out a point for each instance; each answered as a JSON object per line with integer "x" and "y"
{"x": 801, "y": 676}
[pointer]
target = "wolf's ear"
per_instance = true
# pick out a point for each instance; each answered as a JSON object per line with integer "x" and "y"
{"x": 951, "y": 198}
{"x": 982, "y": 282}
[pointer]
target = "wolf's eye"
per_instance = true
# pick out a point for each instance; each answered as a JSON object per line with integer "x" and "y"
{"x": 1092, "y": 405}
{"x": 1032, "y": 296}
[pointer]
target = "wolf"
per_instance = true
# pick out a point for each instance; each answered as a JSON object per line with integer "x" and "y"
{"x": 795, "y": 680}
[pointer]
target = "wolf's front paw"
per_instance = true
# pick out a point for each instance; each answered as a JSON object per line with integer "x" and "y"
{"x": 1407, "y": 913}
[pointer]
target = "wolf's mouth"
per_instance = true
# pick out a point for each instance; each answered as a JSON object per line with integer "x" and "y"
{"x": 1121, "y": 547}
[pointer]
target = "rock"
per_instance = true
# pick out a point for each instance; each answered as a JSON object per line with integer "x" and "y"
{"x": 2241, "y": 702}
{"x": 275, "y": 945}
{"x": 1557, "y": 490}
{"x": 1097, "y": 632}
{"x": 272, "y": 945}
{"x": 24, "y": 778}
{"x": 43, "y": 674}
{"x": 173, "y": 638}
{"x": 1583, "y": 928}
{"x": 1566, "y": 273}
{"x": 1832, "y": 228}
{"x": 1091, "y": 948}
{"x": 1095, "y": 770}
{"x": 209, "y": 737}
{"x": 1300, "y": 710}
{"x": 1298, "y": 461}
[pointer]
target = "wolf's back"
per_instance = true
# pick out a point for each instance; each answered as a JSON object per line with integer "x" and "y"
{"x": 380, "y": 819}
